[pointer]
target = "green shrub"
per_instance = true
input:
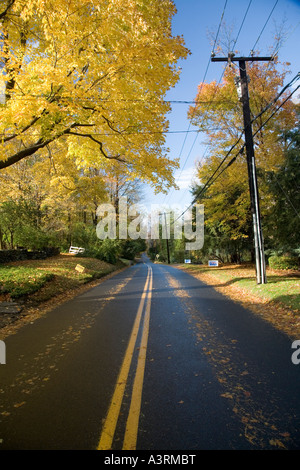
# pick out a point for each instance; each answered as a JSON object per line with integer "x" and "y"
{"x": 284, "y": 262}
{"x": 32, "y": 238}
{"x": 106, "y": 250}
{"x": 19, "y": 282}
{"x": 109, "y": 251}
{"x": 131, "y": 248}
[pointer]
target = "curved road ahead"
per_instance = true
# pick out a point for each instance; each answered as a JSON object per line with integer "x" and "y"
{"x": 150, "y": 359}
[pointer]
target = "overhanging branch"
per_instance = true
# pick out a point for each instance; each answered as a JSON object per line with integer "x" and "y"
{"x": 25, "y": 153}
{"x": 110, "y": 157}
{"x": 9, "y": 5}
{"x": 41, "y": 143}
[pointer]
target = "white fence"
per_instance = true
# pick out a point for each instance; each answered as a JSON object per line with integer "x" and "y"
{"x": 76, "y": 250}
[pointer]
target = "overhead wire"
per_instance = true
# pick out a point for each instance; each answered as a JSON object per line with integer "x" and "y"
{"x": 206, "y": 71}
{"x": 29, "y": 97}
{"x": 194, "y": 110}
{"x": 283, "y": 41}
{"x": 242, "y": 150}
{"x": 253, "y": 48}
{"x": 254, "y": 134}
{"x": 195, "y": 101}
{"x": 263, "y": 28}
{"x": 286, "y": 196}
{"x": 108, "y": 134}
{"x": 242, "y": 24}
{"x": 212, "y": 54}
{"x": 211, "y": 179}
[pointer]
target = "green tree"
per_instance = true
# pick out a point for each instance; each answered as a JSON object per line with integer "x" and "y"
{"x": 283, "y": 219}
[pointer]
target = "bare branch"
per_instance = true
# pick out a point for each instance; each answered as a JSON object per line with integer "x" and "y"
{"x": 110, "y": 125}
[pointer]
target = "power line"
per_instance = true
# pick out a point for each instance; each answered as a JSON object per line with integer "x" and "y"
{"x": 194, "y": 110}
{"x": 283, "y": 41}
{"x": 220, "y": 24}
{"x": 76, "y": 99}
{"x": 108, "y": 134}
{"x": 286, "y": 196}
{"x": 264, "y": 123}
{"x": 212, "y": 54}
{"x": 276, "y": 110}
{"x": 241, "y": 27}
{"x": 267, "y": 21}
{"x": 278, "y": 96}
{"x": 259, "y": 115}
{"x": 242, "y": 149}
{"x": 211, "y": 180}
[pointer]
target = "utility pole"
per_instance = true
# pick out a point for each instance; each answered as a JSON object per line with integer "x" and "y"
{"x": 167, "y": 240}
{"x": 253, "y": 187}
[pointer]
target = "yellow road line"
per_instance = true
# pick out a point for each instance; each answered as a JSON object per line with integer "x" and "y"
{"x": 110, "y": 424}
{"x": 130, "y": 438}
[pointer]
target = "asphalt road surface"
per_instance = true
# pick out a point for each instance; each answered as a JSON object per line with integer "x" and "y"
{"x": 150, "y": 359}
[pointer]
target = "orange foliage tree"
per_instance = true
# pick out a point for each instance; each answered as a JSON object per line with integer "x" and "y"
{"x": 218, "y": 112}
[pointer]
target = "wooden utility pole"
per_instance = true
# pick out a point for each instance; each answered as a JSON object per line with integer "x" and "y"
{"x": 167, "y": 240}
{"x": 253, "y": 187}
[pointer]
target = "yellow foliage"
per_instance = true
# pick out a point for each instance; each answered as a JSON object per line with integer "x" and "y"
{"x": 92, "y": 74}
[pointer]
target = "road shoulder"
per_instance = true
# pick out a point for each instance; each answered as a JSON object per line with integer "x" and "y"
{"x": 30, "y": 314}
{"x": 281, "y": 317}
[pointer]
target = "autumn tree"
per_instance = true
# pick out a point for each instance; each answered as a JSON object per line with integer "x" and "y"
{"x": 218, "y": 112}
{"x": 31, "y": 208}
{"x": 283, "y": 218}
{"x": 91, "y": 74}
{"x": 48, "y": 201}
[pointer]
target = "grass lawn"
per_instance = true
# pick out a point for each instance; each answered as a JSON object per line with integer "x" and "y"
{"x": 44, "y": 279}
{"x": 282, "y": 287}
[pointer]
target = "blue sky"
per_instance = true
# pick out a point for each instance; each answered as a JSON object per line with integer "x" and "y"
{"x": 194, "y": 20}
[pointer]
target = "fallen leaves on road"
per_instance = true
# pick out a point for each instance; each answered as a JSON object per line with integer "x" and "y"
{"x": 282, "y": 317}
{"x": 30, "y": 314}
{"x": 277, "y": 443}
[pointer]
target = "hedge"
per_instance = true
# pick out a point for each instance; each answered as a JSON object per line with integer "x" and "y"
{"x": 284, "y": 262}
{"x": 18, "y": 255}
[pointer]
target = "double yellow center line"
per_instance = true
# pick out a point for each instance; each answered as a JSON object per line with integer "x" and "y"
{"x": 110, "y": 423}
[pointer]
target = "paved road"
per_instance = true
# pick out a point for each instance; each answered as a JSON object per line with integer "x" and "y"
{"x": 150, "y": 359}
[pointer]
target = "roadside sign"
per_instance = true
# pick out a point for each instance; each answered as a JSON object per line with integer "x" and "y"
{"x": 79, "y": 268}
{"x": 213, "y": 263}
{"x": 187, "y": 261}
